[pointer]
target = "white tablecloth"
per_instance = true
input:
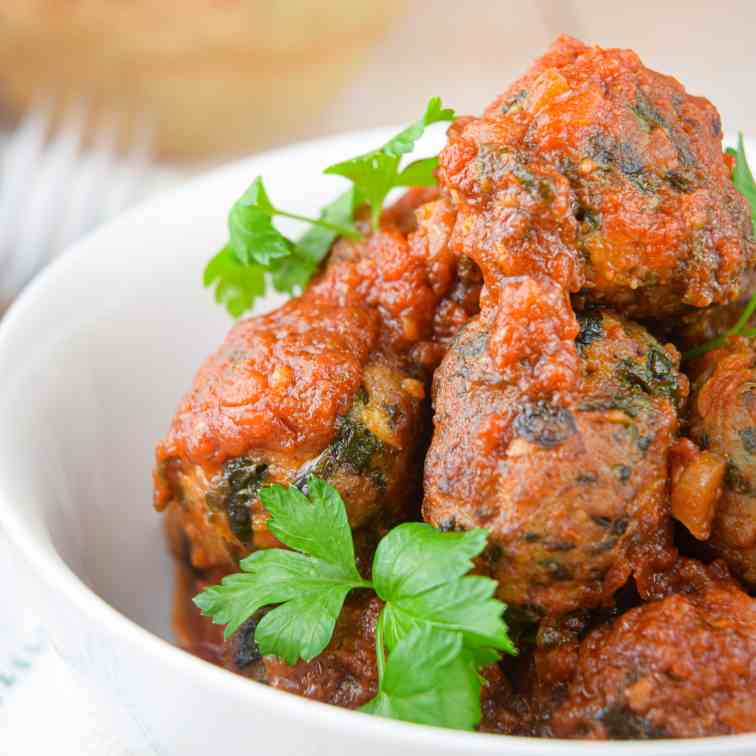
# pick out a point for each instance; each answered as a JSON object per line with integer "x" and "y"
{"x": 45, "y": 706}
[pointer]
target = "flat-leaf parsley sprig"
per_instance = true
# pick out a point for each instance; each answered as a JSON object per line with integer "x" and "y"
{"x": 744, "y": 182}
{"x": 438, "y": 627}
{"x": 376, "y": 173}
{"x": 257, "y": 252}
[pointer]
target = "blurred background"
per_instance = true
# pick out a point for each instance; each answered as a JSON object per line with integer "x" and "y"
{"x": 104, "y": 101}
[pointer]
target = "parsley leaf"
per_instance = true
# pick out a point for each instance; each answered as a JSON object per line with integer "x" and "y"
{"x": 257, "y": 252}
{"x": 309, "y": 586}
{"x": 439, "y": 626}
{"x": 465, "y": 605}
{"x": 404, "y": 141}
{"x": 236, "y": 285}
{"x": 419, "y": 572}
{"x": 429, "y": 680}
{"x": 743, "y": 178}
{"x": 376, "y": 173}
{"x": 252, "y": 235}
{"x": 315, "y": 524}
{"x": 257, "y": 247}
{"x": 420, "y": 173}
{"x": 415, "y": 557}
{"x": 315, "y": 243}
{"x": 293, "y": 272}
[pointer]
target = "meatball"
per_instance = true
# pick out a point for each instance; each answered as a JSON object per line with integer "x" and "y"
{"x": 344, "y": 674}
{"x": 298, "y": 392}
{"x": 422, "y": 292}
{"x": 521, "y": 700}
{"x": 574, "y": 494}
{"x": 538, "y": 681}
{"x": 332, "y": 384}
{"x": 605, "y": 178}
{"x": 723, "y": 424}
{"x": 697, "y": 327}
{"x": 679, "y": 667}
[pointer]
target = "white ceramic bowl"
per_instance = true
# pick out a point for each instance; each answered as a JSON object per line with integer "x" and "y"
{"x": 93, "y": 359}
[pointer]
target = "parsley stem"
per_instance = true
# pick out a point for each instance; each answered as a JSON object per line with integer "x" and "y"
{"x": 375, "y": 218}
{"x": 349, "y": 231}
{"x": 707, "y": 346}
{"x": 380, "y": 658}
{"x": 745, "y": 316}
{"x": 721, "y": 340}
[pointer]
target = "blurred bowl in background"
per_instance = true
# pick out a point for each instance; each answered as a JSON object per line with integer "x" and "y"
{"x": 215, "y": 77}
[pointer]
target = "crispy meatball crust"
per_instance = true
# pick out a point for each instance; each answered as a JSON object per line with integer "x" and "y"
{"x": 679, "y": 667}
{"x": 574, "y": 496}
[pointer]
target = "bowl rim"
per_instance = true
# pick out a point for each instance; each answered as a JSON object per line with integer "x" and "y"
{"x": 48, "y": 565}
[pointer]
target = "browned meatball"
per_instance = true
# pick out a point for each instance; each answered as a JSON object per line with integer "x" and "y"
{"x": 592, "y": 174}
{"x": 723, "y": 423}
{"x": 422, "y": 292}
{"x": 290, "y": 394}
{"x": 574, "y": 495}
{"x": 521, "y": 700}
{"x": 698, "y": 327}
{"x": 539, "y": 680}
{"x": 606, "y": 176}
{"x": 345, "y": 674}
{"x": 679, "y": 667}
{"x": 331, "y": 384}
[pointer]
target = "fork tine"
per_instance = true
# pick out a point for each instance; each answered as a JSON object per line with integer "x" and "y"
{"x": 21, "y": 152}
{"x": 88, "y": 193}
{"x": 133, "y": 169}
{"x": 44, "y": 204}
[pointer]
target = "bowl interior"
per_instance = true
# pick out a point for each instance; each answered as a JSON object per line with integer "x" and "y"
{"x": 82, "y": 406}
{"x": 94, "y": 358}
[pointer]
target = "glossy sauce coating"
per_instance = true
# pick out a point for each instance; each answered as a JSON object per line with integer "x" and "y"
{"x": 574, "y": 496}
{"x": 420, "y": 290}
{"x": 592, "y": 182}
{"x": 604, "y": 177}
{"x": 679, "y": 667}
{"x": 250, "y": 393}
{"x": 333, "y": 384}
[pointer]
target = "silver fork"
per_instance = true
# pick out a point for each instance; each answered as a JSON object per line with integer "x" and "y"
{"x": 53, "y": 190}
